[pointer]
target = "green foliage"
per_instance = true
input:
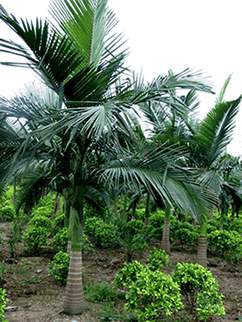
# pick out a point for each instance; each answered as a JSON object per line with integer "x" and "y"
{"x": 43, "y": 211}
{"x": 102, "y": 234}
{"x": 227, "y": 244}
{"x": 58, "y": 267}
{"x": 40, "y": 220}
{"x": 157, "y": 259}
{"x": 58, "y": 223}
{"x": 135, "y": 226}
{"x": 156, "y": 221}
{"x": 101, "y": 292}
{"x": 16, "y": 231}
{"x": 7, "y": 212}
{"x": 128, "y": 274}
{"x": 35, "y": 238}
{"x": 198, "y": 286}
{"x": 132, "y": 237}
{"x": 140, "y": 213}
{"x": 185, "y": 232}
{"x": 3, "y": 304}
{"x": 2, "y": 274}
{"x": 60, "y": 240}
{"x": 37, "y": 233}
{"x": 153, "y": 296}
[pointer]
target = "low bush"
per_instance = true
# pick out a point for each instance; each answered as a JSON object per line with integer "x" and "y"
{"x": 39, "y": 220}
{"x": 35, "y": 237}
{"x": 157, "y": 259}
{"x": 155, "y": 226}
{"x": 7, "y": 213}
{"x": 58, "y": 223}
{"x": 128, "y": 274}
{"x": 58, "y": 267}
{"x": 3, "y": 304}
{"x": 152, "y": 296}
{"x": 60, "y": 240}
{"x": 227, "y": 244}
{"x": 102, "y": 234}
{"x": 200, "y": 290}
{"x": 37, "y": 232}
{"x": 101, "y": 292}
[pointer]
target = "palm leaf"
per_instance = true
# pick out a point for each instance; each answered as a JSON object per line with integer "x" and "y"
{"x": 215, "y": 131}
{"x": 48, "y": 52}
{"x": 88, "y": 23}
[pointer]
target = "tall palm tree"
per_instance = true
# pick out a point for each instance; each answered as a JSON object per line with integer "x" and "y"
{"x": 207, "y": 143}
{"x": 77, "y": 138}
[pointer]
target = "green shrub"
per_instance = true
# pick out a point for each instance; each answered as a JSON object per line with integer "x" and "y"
{"x": 140, "y": 213}
{"x": 102, "y": 234}
{"x": 3, "y": 304}
{"x": 198, "y": 286}
{"x": 7, "y": 212}
{"x": 135, "y": 226}
{"x": 101, "y": 292}
{"x": 58, "y": 223}
{"x": 155, "y": 226}
{"x": 157, "y": 259}
{"x": 187, "y": 236}
{"x": 40, "y": 220}
{"x": 60, "y": 240}
{"x": 153, "y": 296}
{"x": 36, "y": 234}
{"x": 58, "y": 267}
{"x": 227, "y": 244}
{"x": 35, "y": 238}
{"x": 128, "y": 274}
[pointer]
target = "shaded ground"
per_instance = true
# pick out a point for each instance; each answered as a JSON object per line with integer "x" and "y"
{"x": 36, "y": 298}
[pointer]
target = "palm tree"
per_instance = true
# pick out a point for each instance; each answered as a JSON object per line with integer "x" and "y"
{"x": 208, "y": 141}
{"x": 76, "y": 140}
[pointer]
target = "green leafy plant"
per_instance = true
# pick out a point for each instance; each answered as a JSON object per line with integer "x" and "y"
{"x": 153, "y": 296}
{"x": 16, "y": 232}
{"x": 36, "y": 234}
{"x": 35, "y": 238}
{"x": 227, "y": 244}
{"x": 155, "y": 226}
{"x": 58, "y": 223}
{"x": 198, "y": 286}
{"x": 128, "y": 274}
{"x": 101, "y": 292}
{"x": 2, "y": 274}
{"x": 7, "y": 213}
{"x": 58, "y": 267}
{"x": 3, "y": 304}
{"x": 60, "y": 240}
{"x": 157, "y": 259}
{"x": 102, "y": 234}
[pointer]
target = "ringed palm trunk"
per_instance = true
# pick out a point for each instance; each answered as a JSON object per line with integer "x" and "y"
{"x": 74, "y": 302}
{"x": 165, "y": 242}
{"x": 202, "y": 246}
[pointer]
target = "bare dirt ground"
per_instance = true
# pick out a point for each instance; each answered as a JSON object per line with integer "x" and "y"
{"x": 35, "y": 297}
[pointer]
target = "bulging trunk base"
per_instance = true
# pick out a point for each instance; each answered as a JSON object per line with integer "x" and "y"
{"x": 74, "y": 302}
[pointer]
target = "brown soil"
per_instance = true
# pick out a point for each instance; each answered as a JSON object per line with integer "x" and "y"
{"x": 36, "y": 298}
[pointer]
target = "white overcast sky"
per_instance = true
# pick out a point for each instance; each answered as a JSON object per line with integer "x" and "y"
{"x": 162, "y": 35}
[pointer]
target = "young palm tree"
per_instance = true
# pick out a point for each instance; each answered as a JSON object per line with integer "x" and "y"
{"x": 207, "y": 144}
{"x": 77, "y": 140}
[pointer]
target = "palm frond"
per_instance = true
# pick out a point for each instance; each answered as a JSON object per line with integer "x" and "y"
{"x": 89, "y": 24}
{"x": 49, "y": 53}
{"x": 215, "y": 131}
{"x": 222, "y": 92}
